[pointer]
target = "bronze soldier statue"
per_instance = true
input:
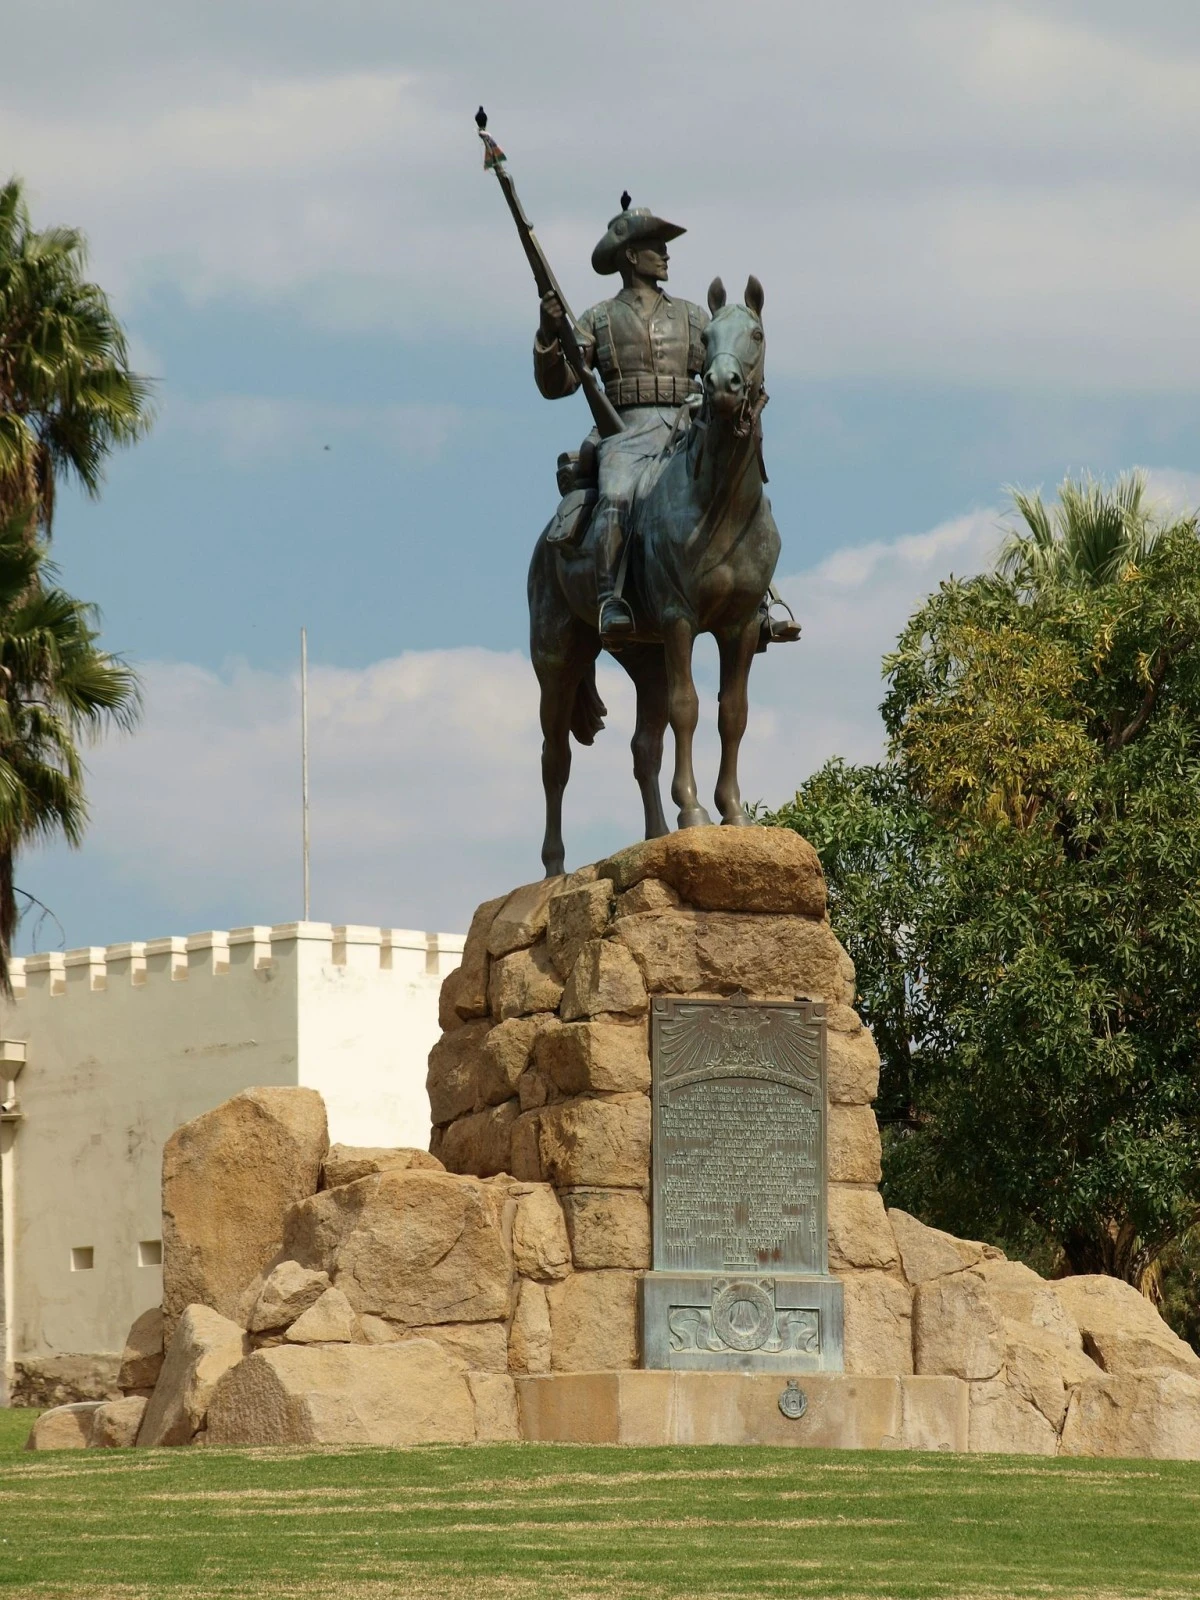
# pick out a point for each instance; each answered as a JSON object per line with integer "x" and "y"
{"x": 647, "y": 348}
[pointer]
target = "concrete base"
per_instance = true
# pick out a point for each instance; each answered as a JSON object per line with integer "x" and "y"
{"x": 652, "y": 1408}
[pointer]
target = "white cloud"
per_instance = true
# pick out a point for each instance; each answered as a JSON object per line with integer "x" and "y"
{"x": 426, "y": 795}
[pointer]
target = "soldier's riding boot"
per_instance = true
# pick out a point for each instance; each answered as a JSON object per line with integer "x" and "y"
{"x": 615, "y": 619}
{"x": 773, "y": 629}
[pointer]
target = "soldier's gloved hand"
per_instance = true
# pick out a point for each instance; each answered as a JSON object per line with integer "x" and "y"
{"x": 552, "y": 316}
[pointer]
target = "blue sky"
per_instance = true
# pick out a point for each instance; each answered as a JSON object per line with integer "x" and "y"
{"x": 976, "y": 226}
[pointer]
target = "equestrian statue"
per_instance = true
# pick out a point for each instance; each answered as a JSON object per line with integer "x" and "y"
{"x": 663, "y": 530}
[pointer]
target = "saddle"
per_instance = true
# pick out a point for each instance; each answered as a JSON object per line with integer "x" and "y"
{"x": 578, "y": 484}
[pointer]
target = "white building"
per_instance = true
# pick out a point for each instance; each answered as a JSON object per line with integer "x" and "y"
{"x": 107, "y": 1050}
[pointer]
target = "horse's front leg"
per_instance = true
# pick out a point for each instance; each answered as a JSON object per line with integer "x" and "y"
{"x": 683, "y": 709}
{"x": 737, "y": 654}
{"x": 557, "y": 700}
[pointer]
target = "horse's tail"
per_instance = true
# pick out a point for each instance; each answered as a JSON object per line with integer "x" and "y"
{"x": 587, "y": 717}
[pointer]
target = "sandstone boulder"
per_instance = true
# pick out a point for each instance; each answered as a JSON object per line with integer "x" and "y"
{"x": 650, "y": 894}
{"x": 529, "y": 1337}
{"x": 852, "y": 1063}
{"x": 860, "y": 1235}
{"x": 504, "y": 1057}
{"x": 1155, "y": 1414}
{"x": 522, "y": 983}
{"x": 471, "y": 976}
{"x": 575, "y": 916}
{"x": 288, "y": 1292}
{"x": 482, "y": 1346}
{"x": 413, "y": 1247}
{"x": 229, "y": 1179}
{"x": 689, "y": 952}
{"x": 329, "y": 1320}
{"x": 957, "y": 1329}
{"x": 481, "y": 1144}
{"x": 593, "y": 1322}
{"x": 497, "y": 1419}
{"x": 1121, "y": 1330}
{"x": 116, "y": 1423}
{"x": 448, "y": 1016}
{"x": 854, "y": 1153}
{"x": 605, "y": 1057}
{"x": 604, "y": 1143}
{"x": 1041, "y": 1368}
{"x": 452, "y": 1081}
{"x": 728, "y": 869}
{"x": 347, "y": 1163}
{"x": 142, "y": 1359}
{"x": 522, "y": 917}
{"x": 605, "y": 980}
{"x": 878, "y": 1324}
{"x": 541, "y": 1248}
{"x": 64, "y": 1427}
{"x": 525, "y": 1158}
{"x": 204, "y": 1348}
{"x": 607, "y": 1228}
{"x": 389, "y": 1394}
{"x": 1003, "y": 1422}
{"x": 926, "y": 1252}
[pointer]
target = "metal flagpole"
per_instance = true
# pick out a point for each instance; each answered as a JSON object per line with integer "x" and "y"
{"x": 304, "y": 753}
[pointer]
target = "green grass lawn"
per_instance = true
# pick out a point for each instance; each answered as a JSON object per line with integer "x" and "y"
{"x": 534, "y": 1521}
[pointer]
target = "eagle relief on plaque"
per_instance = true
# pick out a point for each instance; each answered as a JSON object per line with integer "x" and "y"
{"x": 740, "y": 1276}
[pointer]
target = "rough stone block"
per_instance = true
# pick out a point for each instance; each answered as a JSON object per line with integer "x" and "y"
{"x": 448, "y": 1017}
{"x": 115, "y": 1423}
{"x": 64, "y": 1427}
{"x": 389, "y": 1394}
{"x": 728, "y": 869}
{"x": 329, "y": 1320}
{"x": 413, "y": 1247}
{"x": 593, "y": 1321}
{"x": 521, "y": 919}
{"x": 608, "y": 1228}
{"x": 229, "y": 1179}
{"x": 650, "y": 894}
{"x": 541, "y": 1248}
{"x": 526, "y": 1159}
{"x": 204, "y": 1348}
{"x": 288, "y": 1292}
{"x": 853, "y": 1149}
{"x": 934, "y": 1414}
{"x": 523, "y": 983}
{"x": 852, "y": 1065}
{"x": 860, "y": 1235}
{"x": 878, "y": 1323}
{"x": 926, "y": 1252}
{"x": 142, "y": 1359}
{"x": 601, "y": 1143}
{"x": 604, "y": 980}
{"x": 51, "y": 1381}
{"x": 1154, "y": 1414}
{"x": 471, "y": 988}
{"x": 497, "y": 1420}
{"x": 575, "y": 916}
{"x": 957, "y": 1329}
{"x": 1121, "y": 1330}
{"x": 482, "y": 1346}
{"x": 481, "y": 1144}
{"x": 1002, "y": 1421}
{"x": 607, "y": 1057}
{"x": 504, "y": 1056}
{"x": 689, "y": 952}
{"x": 529, "y": 1339}
{"x": 347, "y": 1163}
{"x": 453, "y": 1077}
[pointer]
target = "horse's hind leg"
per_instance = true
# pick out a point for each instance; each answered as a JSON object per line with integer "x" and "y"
{"x": 644, "y": 664}
{"x": 737, "y": 653}
{"x": 558, "y": 685}
{"x": 683, "y": 710}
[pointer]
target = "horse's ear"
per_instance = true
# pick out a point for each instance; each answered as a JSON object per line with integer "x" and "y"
{"x": 716, "y": 296}
{"x": 754, "y": 295}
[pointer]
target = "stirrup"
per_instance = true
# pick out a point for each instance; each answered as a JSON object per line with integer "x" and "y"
{"x": 620, "y": 621}
{"x": 778, "y": 630}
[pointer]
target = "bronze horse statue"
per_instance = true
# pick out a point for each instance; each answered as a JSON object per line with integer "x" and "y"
{"x": 702, "y": 550}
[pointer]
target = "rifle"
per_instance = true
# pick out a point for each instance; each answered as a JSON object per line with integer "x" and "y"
{"x": 607, "y": 420}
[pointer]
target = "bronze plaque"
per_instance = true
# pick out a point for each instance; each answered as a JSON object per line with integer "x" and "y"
{"x": 739, "y": 1136}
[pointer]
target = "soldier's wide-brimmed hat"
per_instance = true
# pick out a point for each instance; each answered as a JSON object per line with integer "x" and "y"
{"x": 632, "y": 226}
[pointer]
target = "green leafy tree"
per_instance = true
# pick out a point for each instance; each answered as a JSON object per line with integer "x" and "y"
{"x": 57, "y": 689}
{"x": 67, "y": 395}
{"x": 1089, "y": 537}
{"x": 1019, "y": 886}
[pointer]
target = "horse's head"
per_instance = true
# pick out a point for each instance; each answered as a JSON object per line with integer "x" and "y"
{"x": 733, "y": 355}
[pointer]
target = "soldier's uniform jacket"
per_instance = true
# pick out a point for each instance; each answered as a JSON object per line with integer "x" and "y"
{"x": 641, "y": 363}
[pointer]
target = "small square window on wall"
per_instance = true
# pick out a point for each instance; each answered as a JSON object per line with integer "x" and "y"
{"x": 83, "y": 1257}
{"x": 150, "y": 1253}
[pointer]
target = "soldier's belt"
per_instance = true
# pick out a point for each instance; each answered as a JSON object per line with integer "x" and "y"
{"x": 647, "y": 390}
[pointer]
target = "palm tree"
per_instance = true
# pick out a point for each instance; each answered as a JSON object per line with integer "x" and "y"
{"x": 57, "y": 688}
{"x": 67, "y": 394}
{"x": 1090, "y": 537}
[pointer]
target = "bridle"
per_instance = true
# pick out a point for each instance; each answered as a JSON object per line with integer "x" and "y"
{"x": 747, "y": 419}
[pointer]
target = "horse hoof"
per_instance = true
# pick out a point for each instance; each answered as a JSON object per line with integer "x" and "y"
{"x": 738, "y": 820}
{"x": 695, "y": 817}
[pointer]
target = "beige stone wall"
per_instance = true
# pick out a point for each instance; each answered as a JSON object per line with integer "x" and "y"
{"x": 543, "y": 1067}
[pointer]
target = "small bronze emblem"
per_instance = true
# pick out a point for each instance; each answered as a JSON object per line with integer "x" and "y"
{"x": 793, "y": 1402}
